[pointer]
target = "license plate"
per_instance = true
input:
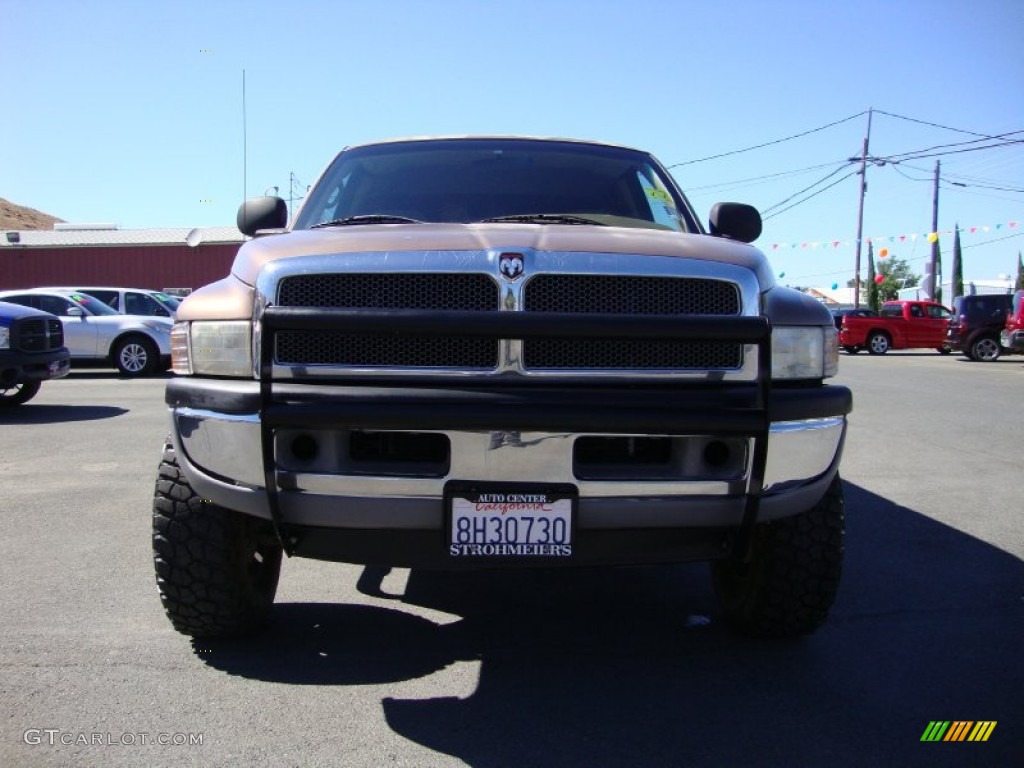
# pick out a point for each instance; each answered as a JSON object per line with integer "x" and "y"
{"x": 503, "y": 522}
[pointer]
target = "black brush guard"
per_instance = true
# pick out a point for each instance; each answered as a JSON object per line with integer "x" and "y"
{"x": 689, "y": 409}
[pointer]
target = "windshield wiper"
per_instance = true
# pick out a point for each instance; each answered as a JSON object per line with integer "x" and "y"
{"x": 371, "y": 218}
{"x": 542, "y": 218}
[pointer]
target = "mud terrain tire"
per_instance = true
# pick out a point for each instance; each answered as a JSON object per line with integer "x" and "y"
{"x": 790, "y": 583}
{"x": 216, "y": 569}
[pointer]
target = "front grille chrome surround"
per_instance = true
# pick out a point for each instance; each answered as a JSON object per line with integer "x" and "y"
{"x": 573, "y": 283}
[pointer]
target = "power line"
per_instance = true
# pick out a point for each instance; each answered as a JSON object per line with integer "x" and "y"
{"x": 800, "y": 202}
{"x": 805, "y": 189}
{"x": 918, "y": 154}
{"x": 934, "y": 125}
{"x": 690, "y": 190}
{"x": 767, "y": 143}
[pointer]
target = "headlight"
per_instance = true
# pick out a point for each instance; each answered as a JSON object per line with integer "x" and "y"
{"x": 5, "y": 337}
{"x": 804, "y": 353}
{"x": 212, "y": 348}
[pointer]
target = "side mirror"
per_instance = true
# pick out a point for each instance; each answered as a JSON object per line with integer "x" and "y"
{"x": 75, "y": 312}
{"x": 262, "y": 213}
{"x": 736, "y": 221}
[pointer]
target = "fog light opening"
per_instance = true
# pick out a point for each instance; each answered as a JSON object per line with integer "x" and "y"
{"x": 305, "y": 448}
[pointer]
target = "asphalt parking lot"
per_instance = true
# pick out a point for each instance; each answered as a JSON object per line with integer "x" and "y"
{"x": 627, "y": 667}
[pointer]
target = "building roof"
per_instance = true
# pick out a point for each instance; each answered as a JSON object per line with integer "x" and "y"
{"x": 42, "y": 238}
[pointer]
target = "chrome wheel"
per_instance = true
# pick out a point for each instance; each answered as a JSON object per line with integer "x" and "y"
{"x": 135, "y": 356}
{"x": 878, "y": 344}
{"x": 985, "y": 349}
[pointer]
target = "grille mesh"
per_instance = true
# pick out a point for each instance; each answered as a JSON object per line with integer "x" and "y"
{"x": 465, "y": 291}
{"x": 554, "y": 354}
{"x": 330, "y": 348}
{"x": 638, "y": 295}
{"x": 627, "y": 295}
{"x": 39, "y": 334}
{"x": 581, "y": 294}
{"x": 458, "y": 291}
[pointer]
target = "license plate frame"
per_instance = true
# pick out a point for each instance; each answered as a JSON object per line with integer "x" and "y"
{"x": 549, "y": 536}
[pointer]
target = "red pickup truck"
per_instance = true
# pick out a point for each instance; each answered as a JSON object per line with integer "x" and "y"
{"x": 899, "y": 325}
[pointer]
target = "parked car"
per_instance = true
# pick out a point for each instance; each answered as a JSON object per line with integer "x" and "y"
{"x": 137, "y": 346}
{"x": 31, "y": 351}
{"x": 976, "y": 325}
{"x": 1012, "y": 335}
{"x": 131, "y": 301}
{"x": 899, "y": 325}
{"x": 839, "y": 314}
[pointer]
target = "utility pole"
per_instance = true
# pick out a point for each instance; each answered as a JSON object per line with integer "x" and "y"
{"x": 860, "y": 212}
{"x": 933, "y": 265}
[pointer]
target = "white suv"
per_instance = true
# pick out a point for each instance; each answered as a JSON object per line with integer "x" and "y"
{"x": 137, "y": 346}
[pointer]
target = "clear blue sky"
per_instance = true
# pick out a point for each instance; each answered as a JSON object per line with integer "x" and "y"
{"x": 131, "y": 112}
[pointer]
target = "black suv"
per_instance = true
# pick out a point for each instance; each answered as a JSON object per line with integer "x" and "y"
{"x": 976, "y": 324}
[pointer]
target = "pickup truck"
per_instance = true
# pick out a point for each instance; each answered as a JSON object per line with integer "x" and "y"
{"x": 31, "y": 351}
{"x": 500, "y": 352}
{"x": 899, "y": 325}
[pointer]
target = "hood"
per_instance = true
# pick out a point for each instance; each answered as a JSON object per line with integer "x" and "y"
{"x": 254, "y": 254}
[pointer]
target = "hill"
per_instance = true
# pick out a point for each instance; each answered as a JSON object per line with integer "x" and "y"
{"x": 19, "y": 217}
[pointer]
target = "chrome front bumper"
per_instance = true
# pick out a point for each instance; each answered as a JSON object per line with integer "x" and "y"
{"x": 221, "y": 456}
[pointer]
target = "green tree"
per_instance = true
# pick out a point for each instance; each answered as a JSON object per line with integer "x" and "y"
{"x": 958, "y": 266}
{"x": 872, "y": 286}
{"x": 896, "y": 274}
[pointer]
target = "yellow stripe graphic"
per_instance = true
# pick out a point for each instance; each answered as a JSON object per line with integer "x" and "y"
{"x": 982, "y": 730}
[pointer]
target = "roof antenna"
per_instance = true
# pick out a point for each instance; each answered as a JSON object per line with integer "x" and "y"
{"x": 245, "y": 167}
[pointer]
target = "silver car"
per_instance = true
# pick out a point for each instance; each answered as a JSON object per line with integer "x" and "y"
{"x": 137, "y": 346}
{"x": 130, "y": 301}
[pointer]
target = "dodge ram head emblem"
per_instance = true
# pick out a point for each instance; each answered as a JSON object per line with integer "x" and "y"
{"x": 511, "y": 265}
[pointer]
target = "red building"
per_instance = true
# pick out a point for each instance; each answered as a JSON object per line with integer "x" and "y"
{"x": 86, "y": 254}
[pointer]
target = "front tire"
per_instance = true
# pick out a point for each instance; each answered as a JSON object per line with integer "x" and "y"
{"x": 879, "y": 343}
{"x": 216, "y": 569}
{"x": 16, "y": 394}
{"x": 136, "y": 356}
{"x": 790, "y": 582}
{"x": 985, "y": 349}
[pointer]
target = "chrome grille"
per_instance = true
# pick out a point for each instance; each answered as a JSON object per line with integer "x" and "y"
{"x": 457, "y": 291}
{"x": 38, "y": 334}
{"x": 637, "y": 295}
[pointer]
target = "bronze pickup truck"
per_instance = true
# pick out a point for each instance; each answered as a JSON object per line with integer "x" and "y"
{"x": 500, "y": 353}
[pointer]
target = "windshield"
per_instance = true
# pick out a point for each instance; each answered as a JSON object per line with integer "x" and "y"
{"x": 93, "y": 305}
{"x": 471, "y": 180}
{"x": 171, "y": 302}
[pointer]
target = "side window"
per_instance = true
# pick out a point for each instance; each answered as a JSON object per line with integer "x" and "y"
{"x": 141, "y": 304}
{"x": 940, "y": 312}
{"x": 54, "y": 305}
{"x": 25, "y": 301}
{"x": 916, "y": 311}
